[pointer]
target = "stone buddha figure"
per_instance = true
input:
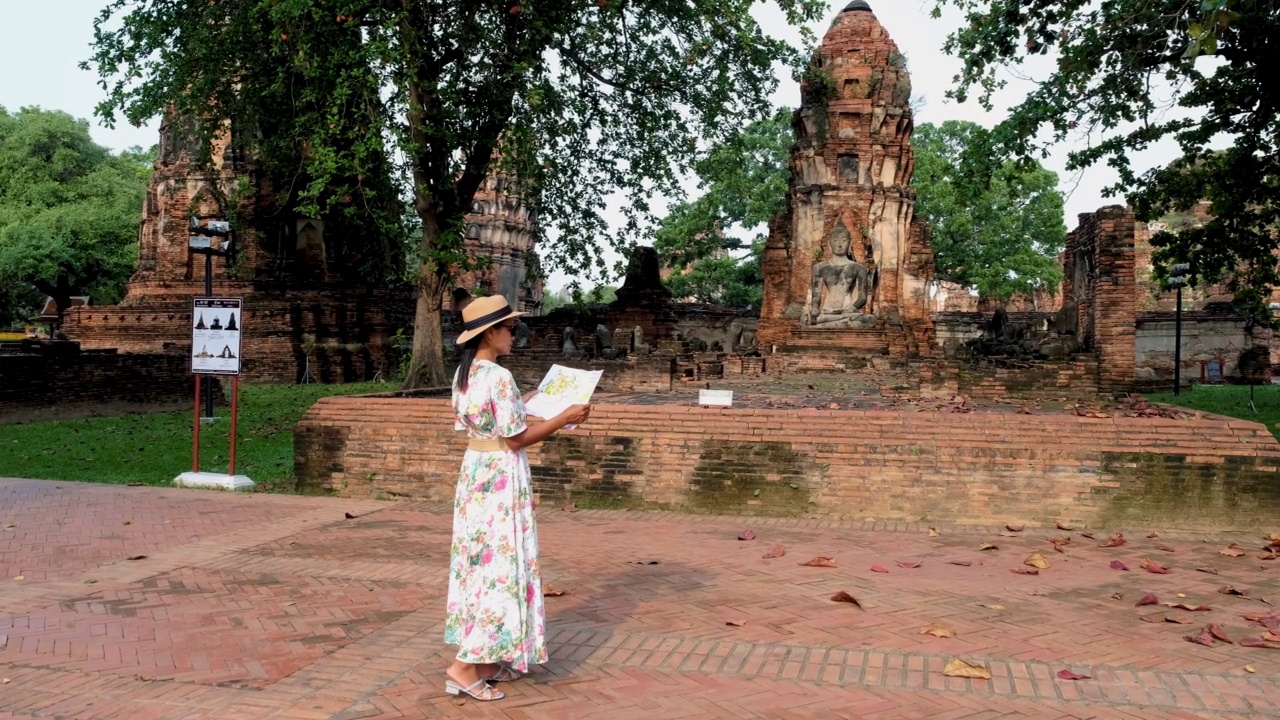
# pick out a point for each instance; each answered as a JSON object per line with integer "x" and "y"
{"x": 840, "y": 286}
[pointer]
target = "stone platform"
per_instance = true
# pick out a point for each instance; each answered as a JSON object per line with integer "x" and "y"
{"x": 254, "y": 607}
{"x": 831, "y": 454}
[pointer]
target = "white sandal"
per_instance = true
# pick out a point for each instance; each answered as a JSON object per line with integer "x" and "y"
{"x": 488, "y": 693}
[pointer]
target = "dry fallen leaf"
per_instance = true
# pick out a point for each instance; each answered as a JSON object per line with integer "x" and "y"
{"x": 136, "y": 557}
{"x": 776, "y": 551}
{"x": 933, "y": 532}
{"x": 1256, "y": 643}
{"x": 1250, "y": 669}
{"x": 1270, "y": 636}
{"x": 1191, "y": 608}
{"x": 845, "y": 597}
{"x": 348, "y": 516}
{"x": 1148, "y": 599}
{"x": 1209, "y": 570}
{"x": 747, "y": 535}
{"x": 1116, "y": 540}
{"x": 879, "y": 569}
{"x": 1232, "y": 590}
{"x": 1203, "y": 638}
{"x": 1180, "y": 619}
{"x": 964, "y": 669}
{"x": 1233, "y": 550}
{"x": 549, "y": 591}
{"x": 20, "y": 577}
{"x": 820, "y": 561}
{"x": 1117, "y": 596}
{"x": 1155, "y": 618}
{"x": 937, "y": 631}
{"x": 1268, "y": 556}
{"x": 1165, "y": 548}
{"x": 962, "y": 563}
{"x": 1117, "y": 565}
{"x": 1218, "y": 632}
{"x": 991, "y": 607}
{"x": 910, "y": 564}
{"x": 1087, "y": 535}
{"x": 1154, "y": 567}
{"x": 735, "y": 623}
{"x": 1015, "y": 528}
{"x": 1153, "y": 535}
{"x": 1036, "y": 560}
{"x": 1068, "y": 675}
{"x": 988, "y": 546}
{"x": 1024, "y": 571}
{"x": 1063, "y": 526}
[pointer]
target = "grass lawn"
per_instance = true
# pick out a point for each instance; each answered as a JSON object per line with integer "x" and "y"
{"x": 153, "y": 449}
{"x": 1232, "y": 401}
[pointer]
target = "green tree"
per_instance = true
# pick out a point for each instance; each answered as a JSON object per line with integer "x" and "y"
{"x": 577, "y": 100}
{"x": 743, "y": 184}
{"x": 727, "y": 280}
{"x": 1130, "y": 73}
{"x": 1001, "y": 233}
{"x": 69, "y": 211}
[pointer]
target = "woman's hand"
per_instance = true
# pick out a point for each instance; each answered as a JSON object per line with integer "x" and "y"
{"x": 528, "y": 396}
{"x": 577, "y": 414}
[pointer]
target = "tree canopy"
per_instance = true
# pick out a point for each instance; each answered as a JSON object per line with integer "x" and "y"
{"x": 1000, "y": 234}
{"x": 743, "y": 184}
{"x": 1127, "y": 74}
{"x": 69, "y": 213}
{"x": 576, "y": 100}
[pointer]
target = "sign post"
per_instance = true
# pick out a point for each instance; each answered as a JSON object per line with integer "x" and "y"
{"x": 216, "y": 329}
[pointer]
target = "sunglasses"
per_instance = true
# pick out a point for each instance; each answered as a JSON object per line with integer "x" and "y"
{"x": 509, "y": 327}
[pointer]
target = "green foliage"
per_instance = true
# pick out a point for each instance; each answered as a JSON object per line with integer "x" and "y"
{"x": 999, "y": 233}
{"x": 1119, "y": 69}
{"x": 599, "y": 295}
{"x": 727, "y": 281}
{"x": 69, "y": 212}
{"x": 1231, "y": 401}
{"x": 743, "y": 183}
{"x": 150, "y": 448}
{"x": 581, "y": 99}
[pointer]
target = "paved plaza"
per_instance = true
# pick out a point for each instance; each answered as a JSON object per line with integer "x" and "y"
{"x": 139, "y": 603}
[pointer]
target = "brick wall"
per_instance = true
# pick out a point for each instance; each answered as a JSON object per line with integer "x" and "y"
{"x": 1100, "y": 274}
{"x": 336, "y": 336}
{"x": 1207, "y": 471}
{"x": 35, "y": 386}
{"x": 1023, "y": 381}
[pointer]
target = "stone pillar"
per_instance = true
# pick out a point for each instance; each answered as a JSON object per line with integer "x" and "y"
{"x": 1115, "y": 298}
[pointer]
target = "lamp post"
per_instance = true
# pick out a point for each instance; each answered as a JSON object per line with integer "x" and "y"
{"x": 1178, "y": 280}
{"x": 201, "y": 243}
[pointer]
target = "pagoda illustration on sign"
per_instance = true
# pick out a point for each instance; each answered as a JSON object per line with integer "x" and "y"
{"x": 204, "y": 352}
{"x": 200, "y": 325}
{"x": 217, "y": 323}
{"x": 226, "y": 353}
{"x": 231, "y": 323}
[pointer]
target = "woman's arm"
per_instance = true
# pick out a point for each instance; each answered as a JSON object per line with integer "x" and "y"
{"x": 537, "y": 432}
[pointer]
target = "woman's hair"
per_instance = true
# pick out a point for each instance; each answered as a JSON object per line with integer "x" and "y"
{"x": 464, "y": 365}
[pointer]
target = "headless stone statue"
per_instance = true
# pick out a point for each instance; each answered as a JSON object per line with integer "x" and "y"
{"x": 521, "y": 334}
{"x": 569, "y": 345}
{"x": 840, "y": 286}
{"x": 638, "y": 345}
{"x": 604, "y": 344}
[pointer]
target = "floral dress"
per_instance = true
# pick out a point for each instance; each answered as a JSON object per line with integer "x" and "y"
{"x": 495, "y": 610}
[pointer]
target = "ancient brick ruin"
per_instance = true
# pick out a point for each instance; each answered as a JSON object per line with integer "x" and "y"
{"x": 848, "y": 264}
{"x": 500, "y": 227}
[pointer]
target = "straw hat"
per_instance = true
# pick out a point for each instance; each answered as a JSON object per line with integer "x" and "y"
{"x": 483, "y": 313}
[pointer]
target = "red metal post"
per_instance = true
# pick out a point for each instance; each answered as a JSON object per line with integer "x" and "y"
{"x": 235, "y": 394}
{"x": 195, "y": 435}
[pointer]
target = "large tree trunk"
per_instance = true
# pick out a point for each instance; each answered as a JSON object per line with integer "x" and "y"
{"x": 426, "y": 366}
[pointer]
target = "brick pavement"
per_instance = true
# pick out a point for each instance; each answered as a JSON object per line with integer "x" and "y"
{"x": 256, "y": 607}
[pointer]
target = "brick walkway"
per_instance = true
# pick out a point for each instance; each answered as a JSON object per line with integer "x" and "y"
{"x": 248, "y": 607}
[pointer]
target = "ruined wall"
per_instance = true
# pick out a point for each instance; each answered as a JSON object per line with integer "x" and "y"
{"x": 500, "y": 227}
{"x": 1100, "y": 276}
{"x": 1205, "y": 337}
{"x": 848, "y": 254}
{"x": 40, "y": 385}
{"x": 333, "y": 335}
{"x": 898, "y": 465}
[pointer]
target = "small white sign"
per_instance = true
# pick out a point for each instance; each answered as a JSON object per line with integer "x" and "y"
{"x": 715, "y": 398}
{"x": 215, "y": 336}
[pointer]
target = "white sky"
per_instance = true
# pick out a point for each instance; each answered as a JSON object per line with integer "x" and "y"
{"x": 41, "y": 43}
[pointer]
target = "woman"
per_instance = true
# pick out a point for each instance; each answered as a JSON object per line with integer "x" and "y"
{"x": 495, "y": 613}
